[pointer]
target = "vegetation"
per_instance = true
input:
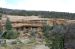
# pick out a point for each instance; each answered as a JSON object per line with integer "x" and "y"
{"x": 0, "y": 24}
{"x": 0, "y": 16}
{"x": 54, "y": 36}
{"x": 70, "y": 36}
{"x": 8, "y": 25}
{"x": 9, "y": 33}
{"x": 47, "y": 14}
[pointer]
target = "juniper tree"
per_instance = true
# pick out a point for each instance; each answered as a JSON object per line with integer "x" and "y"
{"x": 8, "y": 25}
{"x": 54, "y": 36}
{"x": 9, "y": 33}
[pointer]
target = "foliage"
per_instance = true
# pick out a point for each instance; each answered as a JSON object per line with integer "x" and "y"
{"x": 0, "y": 15}
{"x": 54, "y": 36}
{"x": 70, "y": 33}
{"x": 70, "y": 36}
{"x": 47, "y": 14}
{"x": 0, "y": 23}
{"x": 10, "y": 34}
{"x": 8, "y": 25}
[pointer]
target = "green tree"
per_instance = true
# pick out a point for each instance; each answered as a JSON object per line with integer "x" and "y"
{"x": 54, "y": 36}
{"x": 8, "y": 25}
{"x": 9, "y": 33}
{"x": 70, "y": 36}
{"x": 0, "y": 25}
{"x": 0, "y": 16}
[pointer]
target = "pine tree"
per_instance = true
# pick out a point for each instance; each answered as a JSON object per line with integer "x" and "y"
{"x": 54, "y": 36}
{"x": 8, "y": 25}
{"x": 9, "y": 33}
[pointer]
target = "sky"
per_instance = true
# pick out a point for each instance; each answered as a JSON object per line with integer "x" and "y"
{"x": 40, "y": 5}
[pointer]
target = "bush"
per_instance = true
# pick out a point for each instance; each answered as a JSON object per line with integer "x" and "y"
{"x": 54, "y": 36}
{"x": 10, "y": 34}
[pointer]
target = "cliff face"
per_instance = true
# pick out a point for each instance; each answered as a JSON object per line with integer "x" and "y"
{"x": 22, "y": 20}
